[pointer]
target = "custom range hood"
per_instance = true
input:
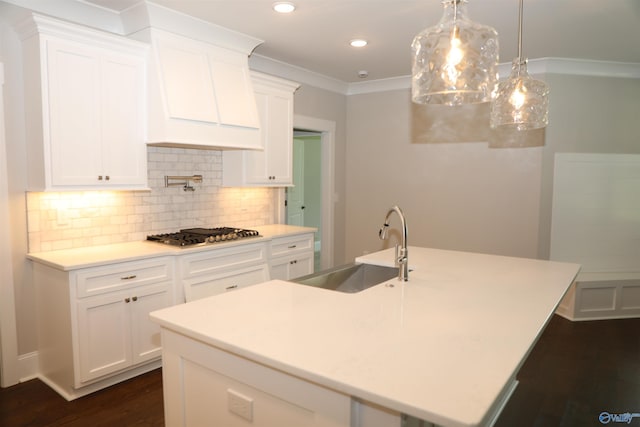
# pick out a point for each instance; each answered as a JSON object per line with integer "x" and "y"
{"x": 200, "y": 93}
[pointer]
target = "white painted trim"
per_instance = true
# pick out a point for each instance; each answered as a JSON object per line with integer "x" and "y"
{"x": 582, "y": 67}
{"x": 28, "y": 366}
{"x": 9, "y": 367}
{"x": 327, "y": 129}
{"x": 298, "y": 74}
{"x": 579, "y": 67}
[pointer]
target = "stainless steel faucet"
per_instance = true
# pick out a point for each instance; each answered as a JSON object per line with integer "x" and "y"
{"x": 402, "y": 253}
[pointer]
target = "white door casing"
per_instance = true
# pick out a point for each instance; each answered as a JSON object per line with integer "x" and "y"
{"x": 295, "y": 194}
{"x": 9, "y": 372}
{"x": 327, "y": 130}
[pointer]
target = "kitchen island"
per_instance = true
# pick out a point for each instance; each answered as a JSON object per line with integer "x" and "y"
{"x": 443, "y": 347}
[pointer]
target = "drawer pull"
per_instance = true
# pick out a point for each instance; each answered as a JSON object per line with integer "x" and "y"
{"x": 231, "y": 287}
{"x": 293, "y": 246}
{"x": 134, "y": 299}
{"x": 127, "y": 300}
{"x": 295, "y": 261}
{"x": 133, "y": 276}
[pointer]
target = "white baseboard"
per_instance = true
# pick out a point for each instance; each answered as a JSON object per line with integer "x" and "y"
{"x": 28, "y": 366}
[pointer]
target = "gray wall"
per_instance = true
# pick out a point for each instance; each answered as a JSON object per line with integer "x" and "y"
{"x": 458, "y": 193}
{"x": 587, "y": 115}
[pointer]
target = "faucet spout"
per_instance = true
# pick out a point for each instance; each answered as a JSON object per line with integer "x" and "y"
{"x": 402, "y": 253}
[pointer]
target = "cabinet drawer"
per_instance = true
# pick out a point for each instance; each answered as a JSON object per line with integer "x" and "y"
{"x": 287, "y": 245}
{"x": 218, "y": 260}
{"x": 113, "y": 277}
{"x": 206, "y": 286}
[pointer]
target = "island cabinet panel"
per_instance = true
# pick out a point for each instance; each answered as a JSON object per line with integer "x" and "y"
{"x": 93, "y": 323}
{"x": 85, "y": 98}
{"x": 219, "y": 270}
{"x": 202, "y": 384}
{"x": 292, "y": 256}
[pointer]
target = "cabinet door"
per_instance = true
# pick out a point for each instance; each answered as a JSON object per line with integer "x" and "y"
{"x": 74, "y": 91}
{"x": 124, "y": 154}
{"x": 273, "y": 166}
{"x": 104, "y": 336}
{"x": 280, "y": 139}
{"x": 301, "y": 266}
{"x": 291, "y": 267}
{"x": 145, "y": 334}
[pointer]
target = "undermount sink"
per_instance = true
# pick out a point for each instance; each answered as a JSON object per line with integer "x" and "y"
{"x": 350, "y": 278}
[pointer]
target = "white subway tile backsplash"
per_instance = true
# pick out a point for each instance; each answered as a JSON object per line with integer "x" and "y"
{"x": 77, "y": 219}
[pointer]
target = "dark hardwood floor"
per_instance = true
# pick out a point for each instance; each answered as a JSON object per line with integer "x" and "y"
{"x": 576, "y": 371}
{"x": 136, "y": 402}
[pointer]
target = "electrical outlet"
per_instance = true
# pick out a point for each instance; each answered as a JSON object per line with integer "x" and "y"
{"x": 240, "y": 404}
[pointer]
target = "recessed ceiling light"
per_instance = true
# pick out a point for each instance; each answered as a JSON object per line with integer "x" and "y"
{"x": 358, "y": 42}
{"x": 284, "y": 7}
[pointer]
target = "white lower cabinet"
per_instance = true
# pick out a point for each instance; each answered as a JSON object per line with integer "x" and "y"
{"x": 212, "y": 272}
{"x": 93, "y": 323}
{"x": 292, "y": 256}
{"x": 114, "y": 330}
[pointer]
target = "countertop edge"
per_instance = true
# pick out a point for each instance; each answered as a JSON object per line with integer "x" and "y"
{"x": 95, "y": 256}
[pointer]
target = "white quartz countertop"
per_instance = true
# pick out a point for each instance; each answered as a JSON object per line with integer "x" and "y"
{"x": 442, "y": 347}
{"x": 72, "y": 259}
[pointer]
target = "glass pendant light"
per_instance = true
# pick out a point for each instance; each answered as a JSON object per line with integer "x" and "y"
{"x": 456, "y": 61}
{"x": 522, "y": 103}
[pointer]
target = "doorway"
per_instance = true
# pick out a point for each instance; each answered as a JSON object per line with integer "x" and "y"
{"x": 323, "y": 131}
{"x": 303, "y": 202}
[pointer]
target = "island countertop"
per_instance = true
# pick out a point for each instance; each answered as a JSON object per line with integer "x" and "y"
{"x": 444, "y": 346}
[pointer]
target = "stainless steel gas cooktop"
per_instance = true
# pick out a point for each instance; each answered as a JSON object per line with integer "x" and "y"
{"x": 203, "y": 236}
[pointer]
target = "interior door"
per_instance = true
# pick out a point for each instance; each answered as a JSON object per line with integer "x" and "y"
{"x": 295, "y": 194}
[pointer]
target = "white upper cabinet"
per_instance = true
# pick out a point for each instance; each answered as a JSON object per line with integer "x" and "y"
{"x": 85, "y": 104}
{"x": 200, "y": 94}
{"x": 271, "y": 166}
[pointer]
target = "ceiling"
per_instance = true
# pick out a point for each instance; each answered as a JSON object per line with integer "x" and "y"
{"x": 315, "y": 37}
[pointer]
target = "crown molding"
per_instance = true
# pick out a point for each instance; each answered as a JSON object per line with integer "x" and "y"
{"x": 583, "y": 67}
{"x": 297, "y": 74}
{"x": 541, "y": 66}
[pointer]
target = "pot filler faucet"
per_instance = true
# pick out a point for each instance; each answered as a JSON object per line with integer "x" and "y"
{"x": 402, "y": 253}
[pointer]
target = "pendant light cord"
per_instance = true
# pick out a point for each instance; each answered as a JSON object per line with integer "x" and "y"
{"x": 520, "y": 35}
